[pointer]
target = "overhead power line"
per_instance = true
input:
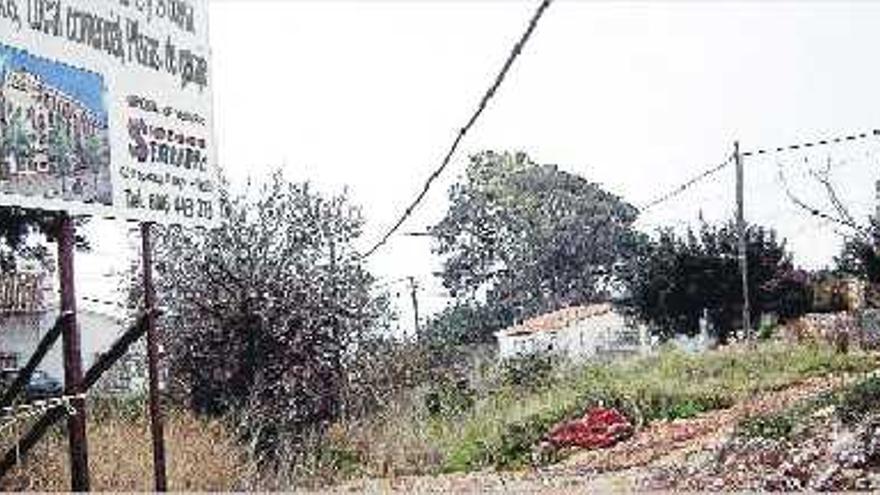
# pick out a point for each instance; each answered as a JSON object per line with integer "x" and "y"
{"x": 685, "y": 186}
{"x": 517, "y": 49}
{"x": 391, "y": 282}
{"x": 812, "y": 144}
{"x": 844, "y": 138}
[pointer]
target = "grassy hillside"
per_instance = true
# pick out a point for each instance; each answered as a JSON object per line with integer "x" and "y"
{"x": 494, "y": 422}
{"x": 506, "y": 421}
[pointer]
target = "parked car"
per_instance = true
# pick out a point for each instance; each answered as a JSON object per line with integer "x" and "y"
{"x": 42, "y": 385}
{"x": 7, "y": 376}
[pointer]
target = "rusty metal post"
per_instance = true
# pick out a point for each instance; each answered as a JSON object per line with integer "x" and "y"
{"x": 73, "y": 373}
{"x": 159, "y": 478}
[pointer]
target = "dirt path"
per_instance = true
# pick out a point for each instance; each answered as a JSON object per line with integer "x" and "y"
{"x": 618, "y": 468}
{"x": 670, "y": 440}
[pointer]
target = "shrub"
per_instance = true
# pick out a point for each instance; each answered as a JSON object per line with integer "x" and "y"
{"x": 530, "y": 371}
{"x": 470, "y": 453}
{"x": 505, "y": 425}
{"x": 777, "y": 426}
{"x": 674, "y": 405}
{"x": 766, "y": 332}
{"x": 519, "y": 439}
{"x": 119, "y": 407}
{"x": 784, "y": 424}
{"x": 269, "y": 306}
{"x": 449, "y": 397}
{"x": 859, "y": 401}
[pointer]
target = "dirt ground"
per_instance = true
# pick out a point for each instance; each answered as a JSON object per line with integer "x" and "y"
{"x": 624, "y": 467}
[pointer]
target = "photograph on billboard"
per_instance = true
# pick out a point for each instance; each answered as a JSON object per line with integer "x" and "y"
{"x": 106, "y": 109}
{"x": 53, "y": 130}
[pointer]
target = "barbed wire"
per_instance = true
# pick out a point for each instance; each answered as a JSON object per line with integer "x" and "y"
{"x": 515, "y": 52}
{"x": 14, "y": 414}
{"x": 39, "y": 405}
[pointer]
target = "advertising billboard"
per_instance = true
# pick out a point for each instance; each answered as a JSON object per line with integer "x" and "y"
{"x": 105, "y": 109}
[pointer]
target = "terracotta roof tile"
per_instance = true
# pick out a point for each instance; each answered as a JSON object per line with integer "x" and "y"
{"x": 556, "y": 320}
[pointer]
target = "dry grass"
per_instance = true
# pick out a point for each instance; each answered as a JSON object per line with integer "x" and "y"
{"x": 201, "y": 456}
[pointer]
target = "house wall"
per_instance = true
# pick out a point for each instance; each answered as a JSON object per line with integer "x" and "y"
{"x": 517, "y": 345}
{"x": 597, "y": 335}
{"x": 607, "y": 333}
{"x": 21, "y": 333}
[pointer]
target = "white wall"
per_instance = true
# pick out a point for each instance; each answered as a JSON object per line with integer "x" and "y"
{"x": 22, "y": 333}
{"x": 581, "y": 340}
{"x": 516, "y": 345}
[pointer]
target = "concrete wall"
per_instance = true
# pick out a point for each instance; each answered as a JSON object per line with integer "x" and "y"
{"x": 20, "y": 334}
{"x": 607, "y": 333}
{"x": 517, "y": 345}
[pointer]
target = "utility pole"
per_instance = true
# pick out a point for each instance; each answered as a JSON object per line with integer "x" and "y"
{"x": 741, "y": 234}
{"x": 73, "y": 373}
{"x": 415, "y": 302}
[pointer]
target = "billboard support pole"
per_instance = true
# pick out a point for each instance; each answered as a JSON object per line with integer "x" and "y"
{"x": 73, "y": 374}
{"x": 16, "y": 453}
{"x": 159, "y": 477}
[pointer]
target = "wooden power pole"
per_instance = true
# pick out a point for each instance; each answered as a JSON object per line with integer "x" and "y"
{"x": 741, "y": 237}
{"x": 413, "y": 288}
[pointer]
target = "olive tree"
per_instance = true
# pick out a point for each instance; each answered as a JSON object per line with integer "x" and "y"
{"x": 262, "y": 312}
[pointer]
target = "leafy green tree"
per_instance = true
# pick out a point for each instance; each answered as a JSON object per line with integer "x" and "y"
{"x": 15, "y": 143}
{"x": 860, "y": 255}
{"x": 17, "y": 225}
{"x": 96, "y": 159}
{"x": 524, "y": 238}
{"x": 672, "y": 279}
{"x": 463, "y": 322}
{"x": 61, "y": 152}
{"x": 93, "y": 153}
{"x": 267, "y": 310}
{"x": 22, "y": 232}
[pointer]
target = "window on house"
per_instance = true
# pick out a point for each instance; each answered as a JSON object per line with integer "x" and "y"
{"x": 9, "y": 360}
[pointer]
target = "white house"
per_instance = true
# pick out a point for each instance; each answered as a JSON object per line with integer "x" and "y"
{"x": 28, "y": 309}
{"x": 577, "y": 332}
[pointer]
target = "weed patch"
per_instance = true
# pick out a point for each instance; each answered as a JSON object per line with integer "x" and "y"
{"x": 504, "y": 424}
{"x": 860, "y": 400}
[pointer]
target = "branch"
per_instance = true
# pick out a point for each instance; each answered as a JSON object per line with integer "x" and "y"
{"x": 824, "y": 178}
{"x": 860, "y": 230}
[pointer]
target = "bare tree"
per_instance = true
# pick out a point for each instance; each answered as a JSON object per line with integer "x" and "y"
{"x": 860, "y": 254}
{"x": 839, "y": 213}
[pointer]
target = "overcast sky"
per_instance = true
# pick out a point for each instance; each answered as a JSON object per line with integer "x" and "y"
{"x": 638, "y": 97}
